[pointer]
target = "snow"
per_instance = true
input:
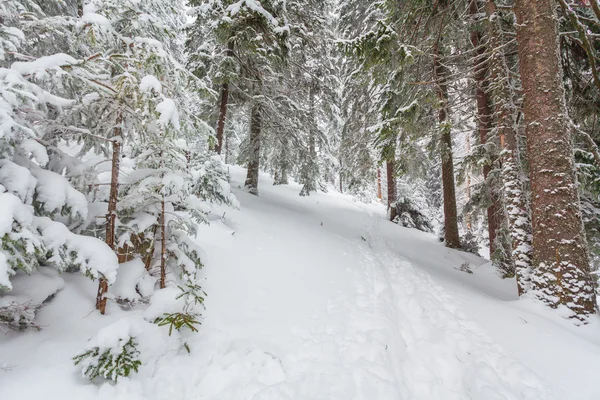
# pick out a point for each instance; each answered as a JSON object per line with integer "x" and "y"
{"x": 168, "y": 113}
{"x": 93, "y": 18}
{"x": 55, "y": 192}
{"x": 40, "y": 65}
{"x": 17, "y": 180}
{"x": 129, "y": 275}
{"x": 95, "y": 257}
{"x": 315, "y": 298}
{"x": 37, "y": 287}
{"x": 148, "y": 83}
{"x": 164, "y": 301}
{"x": 37, "y": 150}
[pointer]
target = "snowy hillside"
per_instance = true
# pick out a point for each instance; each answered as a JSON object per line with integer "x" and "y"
{"x": 322, "y": 298}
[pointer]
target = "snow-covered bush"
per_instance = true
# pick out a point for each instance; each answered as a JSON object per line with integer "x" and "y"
{"x": 112, "y": 353}
{"x": 407, "y": 215}
{"x": 16, "y": 316}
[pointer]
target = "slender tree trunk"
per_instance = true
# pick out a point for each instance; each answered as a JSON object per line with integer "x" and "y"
{"x": 451, "y": 235}
{"x": 222, "y": 116}
{"x": 150, "y": 251}
{"x": 310, "y": 169}
{"x": 379, "y": 195}
{"x": 111, "y": 216}
{"x": 163, "y": 246}
{"x": 391, "y": 188}
{"x": 254, "y": 153}
{"x": 515, "y": 205}
{"x": 484, "y": 116}
{"x": 560, "y": 274}
{"x": 223, "y": 105}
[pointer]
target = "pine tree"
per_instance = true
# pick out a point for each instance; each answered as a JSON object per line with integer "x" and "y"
{"x": 560, "y": 274}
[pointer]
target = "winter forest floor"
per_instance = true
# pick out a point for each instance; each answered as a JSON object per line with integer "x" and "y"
{"x": 321, "y": 298}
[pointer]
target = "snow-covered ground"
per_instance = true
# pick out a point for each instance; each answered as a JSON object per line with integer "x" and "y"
{"x": 320, "y": 298}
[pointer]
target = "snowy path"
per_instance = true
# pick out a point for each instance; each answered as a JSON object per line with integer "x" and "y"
{"x": 314, "y": 304}
{"x": 321, "y": 298}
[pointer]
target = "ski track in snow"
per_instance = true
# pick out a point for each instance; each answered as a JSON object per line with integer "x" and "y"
{"x": 301, "y": 307}
{"x": 392, "y": 333}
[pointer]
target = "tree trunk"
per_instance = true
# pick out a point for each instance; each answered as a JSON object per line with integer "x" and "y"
{"x": 515, "y": 205}
{"x": 111, "y": 216}
{"x": 223, "y": 106}
{"x": 310, "y": 169}
{"x": 440, "y": 71}
{"x": 379, "y": 195}
{"x": 560, "y": 274}
{"x": 254, "y": 151}
{"x": 391, "y": 188}
{"x": 484, "y": 116}
{"x": 163, "y": 246}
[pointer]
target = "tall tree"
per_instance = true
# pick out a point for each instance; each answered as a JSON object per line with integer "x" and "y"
{"x": 560, "y": 274}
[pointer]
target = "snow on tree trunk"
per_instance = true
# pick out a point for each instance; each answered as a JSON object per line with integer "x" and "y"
{"x": 111, "y": 216}
{"x": 440, "y": 71}
{"x": 391, "y": 188}
{"x": 223, "y": 107}
{"x": 515, "y": 206}
{"x": 379, "y": 195}
{"x": 560, "y": 274}
{"x": 163, "y": 246}
{"x": 251, "y": 183}
{"x": 484, "y": 117}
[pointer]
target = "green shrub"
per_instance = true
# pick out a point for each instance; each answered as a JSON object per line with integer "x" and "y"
{"x": 109, "y": 363}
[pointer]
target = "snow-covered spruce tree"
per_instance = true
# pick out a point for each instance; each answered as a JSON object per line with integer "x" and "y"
{"x": 146, "y": 107}
{"x": 356, "y": 156}
{"x": 256, "y": 33}
{"x": 309, "y": 82}
{"x": 560, "y": 273}
{"x": 39, "y": 203}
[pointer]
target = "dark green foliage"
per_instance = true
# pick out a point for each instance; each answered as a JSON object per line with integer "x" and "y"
{"x": 110, "y": 363}
{"x": 179, "y": 320}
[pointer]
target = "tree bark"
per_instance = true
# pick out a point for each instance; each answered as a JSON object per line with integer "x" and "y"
{"x": 391, "y": 187}
{"x": 484, "y": 116}
{"x": 251, "y": 183}
{"x": 163, "y": 246}
{"x": 515, "y": 204}
{"x": 560, "y": 274}
{"x": 223, "y": 106}
{"x": 379, "y": 195}
{"x": 111, "y": 216}
{"x": 451, "y": 235}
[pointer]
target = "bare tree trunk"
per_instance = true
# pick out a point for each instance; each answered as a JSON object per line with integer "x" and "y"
{"x": 451, "y": 235}
{"x": 163, "y": 246}
{"x": 251, "y": 183}
{"x": 391, "y": 188}
{"x": 111, "y": 216}
{"x": 223, "y": 106}
{"x": 560, "y": 274}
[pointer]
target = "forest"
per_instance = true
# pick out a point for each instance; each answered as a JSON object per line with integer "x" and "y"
{"x": 300, "y": 199}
